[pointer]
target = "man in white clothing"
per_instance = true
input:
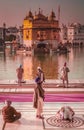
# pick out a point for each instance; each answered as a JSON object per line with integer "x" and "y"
{"x": 65, "y": 113}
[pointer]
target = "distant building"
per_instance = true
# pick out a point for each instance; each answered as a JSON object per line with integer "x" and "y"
{"x": 63, "y": 34}
{"x": 73, "y": 34}
{"x": 20, "y": 35}
{"x": 13, "y": 31}
{"x": 1, "y": 37}
{"x": 40, "y": 28}
{"x": 10, "y": 33}
{"x": 1, "y": 33}
{"x": 76, "y": 34}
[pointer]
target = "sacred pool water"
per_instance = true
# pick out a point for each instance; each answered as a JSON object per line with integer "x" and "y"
{"x": 51, "y": 65}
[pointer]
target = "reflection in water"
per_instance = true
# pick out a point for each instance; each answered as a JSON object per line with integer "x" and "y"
{"x": 50, "y": 64}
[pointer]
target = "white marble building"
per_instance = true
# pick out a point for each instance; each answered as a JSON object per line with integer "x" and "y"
{"x": 73, "y": 33}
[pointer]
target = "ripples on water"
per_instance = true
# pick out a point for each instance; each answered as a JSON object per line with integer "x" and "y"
{"x": 50, "y": 64}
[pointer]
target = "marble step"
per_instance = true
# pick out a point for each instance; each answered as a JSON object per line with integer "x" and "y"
{"x": 31, "y": 90}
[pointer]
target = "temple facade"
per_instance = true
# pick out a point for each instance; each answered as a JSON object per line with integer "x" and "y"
{"x": 40, "y": 30}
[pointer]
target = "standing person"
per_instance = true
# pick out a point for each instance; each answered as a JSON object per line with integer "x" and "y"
{"x": 38, "y": 97}
{"x": 9, "y": 113}
{"x": 40, "y": 74}
{"x": 20, "y": 72}
{"x": 64, "y": 74}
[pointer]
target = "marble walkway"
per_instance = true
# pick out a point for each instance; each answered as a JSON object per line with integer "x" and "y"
{"x": 51, "y": 86}
{"x": 28, "y": 120}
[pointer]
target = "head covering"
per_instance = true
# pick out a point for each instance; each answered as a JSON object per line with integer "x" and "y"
{"x": 20, "y": 65}
{"x": 8, "y": 101}
{"x": 38, "y": 68}
{"x": 65, "y": 64}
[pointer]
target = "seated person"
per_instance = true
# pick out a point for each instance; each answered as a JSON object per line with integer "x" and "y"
{"x": 65, "y": 113}
{"x": 9, "y": 113}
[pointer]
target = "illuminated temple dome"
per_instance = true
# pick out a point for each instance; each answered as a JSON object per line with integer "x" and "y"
{"x": 29, "y": 16}
{"x": 40, "y": 16}
{"x": 41, "y": 28}
{"x": 52, "y": 16}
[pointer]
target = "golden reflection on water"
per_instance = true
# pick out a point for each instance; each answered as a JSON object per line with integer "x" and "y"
{"x": 49, "y": 65}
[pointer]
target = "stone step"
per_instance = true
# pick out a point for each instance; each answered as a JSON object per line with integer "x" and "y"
{"x": 47, "y": 90}
{"x": 47, "y": 81}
